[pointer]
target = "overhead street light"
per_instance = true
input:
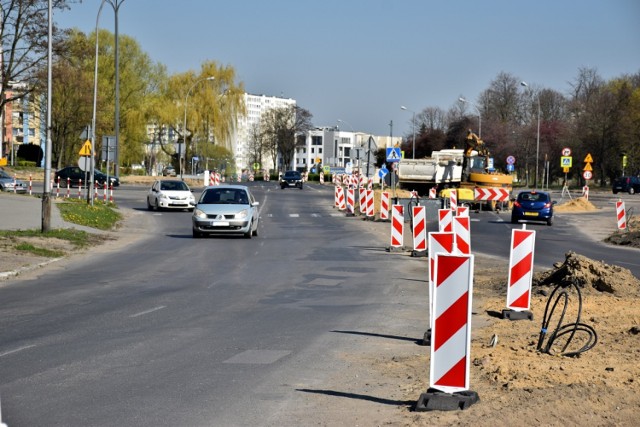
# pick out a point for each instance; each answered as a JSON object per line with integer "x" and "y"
{"x": 413, "y": 127}
{"x": 184, "y": 129}
{"x": 535, "y": 181}
{"x": 461, "y": 99}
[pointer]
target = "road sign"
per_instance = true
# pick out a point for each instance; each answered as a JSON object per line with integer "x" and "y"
{"x": 565, "y": 161}
{"x": 587, "y": 174}
{"x": 510, "y": 167}
{"x": 348, "y": 168}
{"x": 393, "y": 154}
{"x": 85, "y": 163}
{"x": 566, "y": 151}
{"x": 511, "y": 160}
{"x": 587, "y": 167}
{"x": 86, "y": 149}
{"x": 588, "y": 159}
{"x": 565, "y": 170}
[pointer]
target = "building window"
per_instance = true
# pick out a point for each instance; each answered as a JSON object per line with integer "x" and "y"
{"x": 316, "y": 140}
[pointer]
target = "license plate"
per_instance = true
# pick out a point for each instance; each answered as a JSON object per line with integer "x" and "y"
{"x": 219, "y": 223}
{"x": 531, "y": 214}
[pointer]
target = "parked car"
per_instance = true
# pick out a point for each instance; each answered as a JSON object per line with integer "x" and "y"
{"x": 75, "y": 174}
{"x": 533, "y": 206}
{"x": 629, "y": 184}
{"x": 9, "y": 183}
{"x": 169, "y": 171}
{"x": 170, "y": 194}
{"x": 226, "y": 209}
{"x": 291, "y": 179}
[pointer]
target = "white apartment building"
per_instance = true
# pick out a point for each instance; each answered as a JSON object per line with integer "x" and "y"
{"x": 256, "y": 105}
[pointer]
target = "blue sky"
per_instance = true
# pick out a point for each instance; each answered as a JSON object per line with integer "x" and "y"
{"x": 360, "y": 60}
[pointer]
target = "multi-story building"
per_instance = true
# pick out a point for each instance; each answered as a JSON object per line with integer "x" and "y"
{"x": 23, "y": 124}
{"x": 255, "y": 105}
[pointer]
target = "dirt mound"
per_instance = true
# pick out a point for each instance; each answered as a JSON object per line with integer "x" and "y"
{"x": 590, "y": 275}
{"x": 630, "y": 237}
{"x": 576, "y": 205}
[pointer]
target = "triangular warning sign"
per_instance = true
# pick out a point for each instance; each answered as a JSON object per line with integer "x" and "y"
{"x": 86, "y": 149}
{"x": 588, "y": 159}
{"x": 587, "y": 167}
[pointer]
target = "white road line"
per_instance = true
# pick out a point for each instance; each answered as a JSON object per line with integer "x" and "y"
{"x": 294, "y": 215}
{"x": 6, "y": 353}
{"x": 142, "y": 313}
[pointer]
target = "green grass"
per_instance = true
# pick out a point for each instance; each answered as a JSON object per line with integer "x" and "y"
{"x": 28, "y": 247}
{"x": 101, "y": 216}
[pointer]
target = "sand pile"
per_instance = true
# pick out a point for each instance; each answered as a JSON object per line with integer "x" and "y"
{"x": 576, "y": 205}
{"x": 590, "y": 275}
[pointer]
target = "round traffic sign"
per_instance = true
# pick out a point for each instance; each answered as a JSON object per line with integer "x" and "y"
{"x": 511, "y": 160}
{"x": 566, "y": 151}
{"x": 587, "y": 174}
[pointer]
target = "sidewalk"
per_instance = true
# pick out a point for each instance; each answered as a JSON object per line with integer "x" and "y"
{"x": 23, "y": 212}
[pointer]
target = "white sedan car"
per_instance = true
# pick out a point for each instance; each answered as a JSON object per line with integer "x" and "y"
{"x": 170, "y": 194}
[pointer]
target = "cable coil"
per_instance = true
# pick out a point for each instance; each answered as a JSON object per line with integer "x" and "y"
{"x": 571, "y": 329}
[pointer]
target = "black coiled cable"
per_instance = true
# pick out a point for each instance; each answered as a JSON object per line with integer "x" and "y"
{"x": 561, "y": 330}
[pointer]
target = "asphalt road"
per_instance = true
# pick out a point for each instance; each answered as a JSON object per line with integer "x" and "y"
{"x": 214, "y": 331}
{"x": 224, "y": 330}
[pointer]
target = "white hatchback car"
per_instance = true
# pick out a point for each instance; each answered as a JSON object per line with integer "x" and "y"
{"x": 170, "y": 194}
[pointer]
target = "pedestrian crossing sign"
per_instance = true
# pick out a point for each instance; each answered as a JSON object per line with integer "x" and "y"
{"x": 393, "y": 154}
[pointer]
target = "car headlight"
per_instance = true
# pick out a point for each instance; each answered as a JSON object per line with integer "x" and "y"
{"x": 163, "y": 196}
{"x": 199, "y": 214}
{"x": 242, "y": 214}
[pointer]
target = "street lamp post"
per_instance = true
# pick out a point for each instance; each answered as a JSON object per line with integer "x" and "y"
{"x": 479, "y": 116}
{"x": 535, "y": 181}
{"x": 413, "y": 128}
{"x": 184, "y": 129}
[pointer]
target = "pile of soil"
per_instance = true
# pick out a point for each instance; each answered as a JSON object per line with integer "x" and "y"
{"x": 576, "y": 205}
{"x": 630, "y": 237}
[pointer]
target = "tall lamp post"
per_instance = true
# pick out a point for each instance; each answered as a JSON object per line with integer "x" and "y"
{"x": 535, "y": 181}
{"x": 184, "y": 129}
{"x": 413, "y": 128}
{"x": 479, "y": 116}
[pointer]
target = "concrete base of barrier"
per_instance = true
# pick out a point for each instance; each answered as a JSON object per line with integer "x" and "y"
{"x": 395, "y": 249}
{"x": 517, "y": 315}
{"x": 436, "y": 400}
{"x": 417, "y": 254}
{"x": 350, "y": 214}
{"x": 426, "y": 340}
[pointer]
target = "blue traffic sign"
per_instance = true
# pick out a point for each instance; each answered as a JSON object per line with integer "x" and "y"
{"x": 393, "y": 154}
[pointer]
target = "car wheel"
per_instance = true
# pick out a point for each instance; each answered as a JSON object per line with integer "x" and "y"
{"x": 550, "y": 221}
{"x": 615, "y": 191}
{"x": 301, "y": 186}
{"x": 249, "y": 233}
{"x": 514, "y": 220}
{"x": 157, "y": 206}
{"x": 149, "y": 207}
{"x": 255, "y": 232}
{"x": 632, "y": 190}
{"x": 196, "y": 234}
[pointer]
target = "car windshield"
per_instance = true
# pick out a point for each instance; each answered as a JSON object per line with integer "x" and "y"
{"x": 3, "y": 174}
{"x": 533, "y": 197}
{"x": 219, "y": 196}
{"x": 173, "y": 186}
{"x": 292, "y": 175}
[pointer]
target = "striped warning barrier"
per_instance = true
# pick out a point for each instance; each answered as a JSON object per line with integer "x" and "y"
{"x": 362, "y": 200}
{"x": 491, "y": 194}
{"x": 445, "y": 218}
{"x": 350, "y": 201}
{"x": 419, "y": 228}
{"x": 384, "y": 206}
{"x": 462, "y": 231}
{"x": 104, "y": 192}
{"x": 585, "y": 192}
{"x": 520, "y": 269}
{"x": 451, "y": 334}
{"x": 370, "y": 206}
{"x": 361, "y": 181}
{"x": 438, "y": 242}
{"x": 432, "y": 193}
{"x": 57, "y": 188}
{"x": 622, "y": 215}
{"x": 68, "y": 187}
{"x": 370, "y": 184}
{"x": 341, "y": 199}
{"x": 336, "y": 197}
{"x": 111, "y": 193}
{"x": 80, "y": 188}
{"x": 31, "y": 186}
{"x": 321, "y": 177}
{"x": 453, "y": 199}
{"x": 397, "y": 226}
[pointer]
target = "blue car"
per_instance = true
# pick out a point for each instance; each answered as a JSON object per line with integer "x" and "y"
{"x": 533, "y": 206}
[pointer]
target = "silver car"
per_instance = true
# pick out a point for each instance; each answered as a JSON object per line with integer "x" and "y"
{"x": 9, "y": 183}
{"x": 170, "y": 194}
{"x": 226, "y": 209}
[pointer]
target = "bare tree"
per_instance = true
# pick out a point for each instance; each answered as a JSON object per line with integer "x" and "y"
{"x": 281, "y": 125}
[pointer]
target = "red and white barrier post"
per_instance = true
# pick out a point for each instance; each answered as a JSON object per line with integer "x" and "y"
{"x": 80, "y": 189}
{"x": 585, "y": 192}
{"x": 397, "y": 227}
{"x": 68, "y": 187}
{"x": 362, "y": 200}
{"x": 111, "y": 193}
{"x": 438, "y": 242}
{"x": 462, "y": 211}
{"x": 341, "y": 201}
{"x": 336, "y": 197}
{"x": 449, "y": 378}
{"x": 321, "y": 177}
{"x": 445, "y": 220}
{"x": 30, "y": 184}
{"x": 58, "y": 188}
{"x": 350, "y": 202}
{"x": 384, "y": 206}
{"x": 453, "y": 199}
{"x": 419, "y": 231}
{"x": 370, "y": 206}
{"x": 520, "y": 275}
{"x": 462, "y": 231}
{"x": 104, "y": 192}
{"x": 432, "y": 193}
{"x": 621, "y": 215}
